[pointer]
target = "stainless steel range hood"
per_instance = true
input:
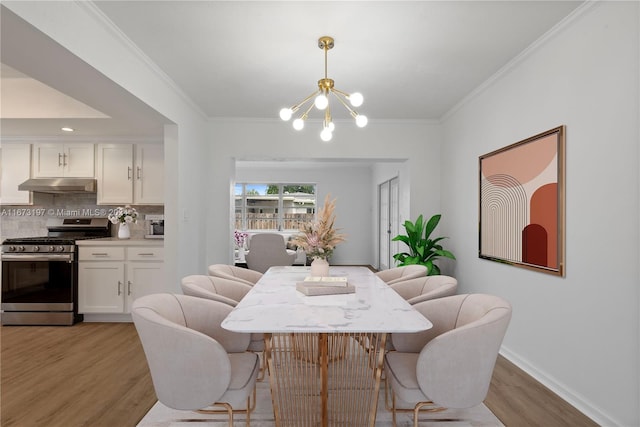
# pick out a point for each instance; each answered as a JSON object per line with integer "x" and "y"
{"x": 59, "y": 185}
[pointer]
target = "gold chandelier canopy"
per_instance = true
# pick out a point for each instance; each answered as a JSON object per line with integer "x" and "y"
{"x": 321, "y": 100}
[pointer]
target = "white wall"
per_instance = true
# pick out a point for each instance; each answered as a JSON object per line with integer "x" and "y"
{"x": 268, "y": 140}
{"x": 579, "y": 334}
{"x": 349, "y": 184}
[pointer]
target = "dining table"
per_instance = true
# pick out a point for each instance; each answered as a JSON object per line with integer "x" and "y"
{"x": 324, "y": 353}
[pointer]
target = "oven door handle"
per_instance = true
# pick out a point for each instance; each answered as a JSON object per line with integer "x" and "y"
{"x": 37, "y": 257}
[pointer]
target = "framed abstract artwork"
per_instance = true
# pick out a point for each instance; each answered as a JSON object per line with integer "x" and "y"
{"x": 522, "y": 203}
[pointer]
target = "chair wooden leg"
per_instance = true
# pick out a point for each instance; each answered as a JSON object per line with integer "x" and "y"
{"x": 418, "y": 408}
{"x": 393, "y": 409}
{"x": 251, "y": 405}
{"x": 387, "y": 405}
{"x": 249, "y": 408}
{"x": 253, "y": 401}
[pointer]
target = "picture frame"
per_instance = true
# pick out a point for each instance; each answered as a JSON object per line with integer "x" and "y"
{"x": 522, "y": 203}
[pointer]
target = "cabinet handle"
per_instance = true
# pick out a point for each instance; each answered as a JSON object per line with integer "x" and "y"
{"x": 59, "y": 159}
{"x": 64, "y": 159}
{"x": 139, "y": 169}
{"x": 99, "y": 253}
{"x": 128, "y": 287}
{"x": 119, "y": 291}
{"x": 146, "y": 254}
{"x": 128, "y": 172}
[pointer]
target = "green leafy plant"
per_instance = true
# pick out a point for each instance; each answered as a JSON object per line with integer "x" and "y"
{"x": 423, "y": 249}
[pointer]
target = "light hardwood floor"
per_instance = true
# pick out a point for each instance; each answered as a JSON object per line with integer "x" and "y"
{"x": 95, "y": 374}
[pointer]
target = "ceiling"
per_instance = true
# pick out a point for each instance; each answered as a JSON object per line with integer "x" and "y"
{"x": 412, "y": 60}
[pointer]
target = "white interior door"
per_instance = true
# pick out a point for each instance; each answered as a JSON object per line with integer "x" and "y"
{"x": 388, "y": 214}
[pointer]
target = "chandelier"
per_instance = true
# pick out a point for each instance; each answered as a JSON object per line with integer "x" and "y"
{"x": 321, "y": 101}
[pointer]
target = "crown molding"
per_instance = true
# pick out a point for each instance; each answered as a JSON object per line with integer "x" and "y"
{"x": 521, "y": 57}
{"x": 128, "y": 44}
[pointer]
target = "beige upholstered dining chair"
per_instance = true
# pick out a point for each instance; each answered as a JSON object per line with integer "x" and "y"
{"x": 398, "y": 274}
{"x": 239, "y": 274}
{"x": 451, "y": 364}
{"x": 267, "y": 250}
{"x": 195, "y": 364}
{"x": 426, "y": 288}
{"x": 226, "y": 291}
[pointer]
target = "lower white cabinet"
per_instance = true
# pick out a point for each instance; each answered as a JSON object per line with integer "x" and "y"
{"x": 110, "y": 278}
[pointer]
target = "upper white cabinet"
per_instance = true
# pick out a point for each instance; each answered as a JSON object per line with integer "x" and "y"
{"x": 114, "y": 170}
{"x": 130, "y": 174}
{"x": 16, "y": 169}
{"x": 149, "y": 174}
{"x": 57, "y": 159}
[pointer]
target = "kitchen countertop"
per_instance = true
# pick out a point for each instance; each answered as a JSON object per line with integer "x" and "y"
{"x": 114, "y": 241}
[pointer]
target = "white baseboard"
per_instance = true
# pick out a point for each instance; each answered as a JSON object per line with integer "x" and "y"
{"x": 580, "y": 403}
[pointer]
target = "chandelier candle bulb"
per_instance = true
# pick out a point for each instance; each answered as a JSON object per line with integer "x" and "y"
{"x": 326, "y": 134}
{"x": 298, "y": 124}
{"x": 285, "y": 114}
{"x": 356, "y": 99}
{"x": 321, "y": 102}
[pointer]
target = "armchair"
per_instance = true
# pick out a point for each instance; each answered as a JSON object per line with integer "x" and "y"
{"x": 194, "y": 362}
{"x": 450, "y": 365}
{"x": 226, "y": 291}
{"x": 426, "y": 288}
{"x": 267, "y": 250}
{"x": 239, "y": 274}
{"x": 398, "y": 274}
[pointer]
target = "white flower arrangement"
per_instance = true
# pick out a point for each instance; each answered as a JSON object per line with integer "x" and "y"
{"x": 125, "y": 215}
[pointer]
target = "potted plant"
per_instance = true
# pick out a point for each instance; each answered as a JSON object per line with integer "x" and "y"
{"x": 423, "y": 249}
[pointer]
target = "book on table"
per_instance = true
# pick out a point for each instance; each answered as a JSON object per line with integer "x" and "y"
{"x": 325, "y": 285}
{"x": 327, "y": 280}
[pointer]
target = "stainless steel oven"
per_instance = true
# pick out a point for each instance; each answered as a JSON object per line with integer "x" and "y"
{"x": 40, "y": 274}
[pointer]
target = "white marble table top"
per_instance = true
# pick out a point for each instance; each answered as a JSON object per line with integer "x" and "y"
{"x": 274, "y": 305}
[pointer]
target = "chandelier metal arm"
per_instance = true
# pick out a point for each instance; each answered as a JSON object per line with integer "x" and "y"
{"x": 297, "y": 106}
{"x": 306, "y": 113}
{"x": 327, "y": 116}
{"x": 335, "y": 92}
{"x": 346, "y": 95}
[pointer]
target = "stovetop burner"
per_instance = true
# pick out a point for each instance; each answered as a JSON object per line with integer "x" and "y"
{"x": 62, "y": 237}
{"x": 66, "y": 240}
{"x": 40, "y": 240}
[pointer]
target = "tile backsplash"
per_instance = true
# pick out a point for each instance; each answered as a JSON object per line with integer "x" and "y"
{"x": 29, "y": 221}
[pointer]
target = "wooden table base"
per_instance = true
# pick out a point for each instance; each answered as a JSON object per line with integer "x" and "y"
{"x": 325, "y": 379}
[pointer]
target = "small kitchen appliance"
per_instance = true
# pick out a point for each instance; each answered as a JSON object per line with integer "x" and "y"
{"x": 155, "y": 228}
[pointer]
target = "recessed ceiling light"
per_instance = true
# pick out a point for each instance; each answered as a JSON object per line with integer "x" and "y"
{"x": 67, "y": 129}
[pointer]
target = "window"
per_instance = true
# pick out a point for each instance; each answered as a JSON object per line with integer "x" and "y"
{"x": 274, "y": 206}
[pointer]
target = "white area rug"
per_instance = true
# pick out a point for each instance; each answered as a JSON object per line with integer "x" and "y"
{"x": 161, "y": 416}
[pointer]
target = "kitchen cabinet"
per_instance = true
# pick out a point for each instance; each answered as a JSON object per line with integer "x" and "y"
{"x": 114, "y": 171}
{"x": 130, "y": 174}
{"x": 110, "y": 278}
{"x": 15, "y": 168}
{"x": 149, "y": 174}
{"x": 52, "y": 160}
